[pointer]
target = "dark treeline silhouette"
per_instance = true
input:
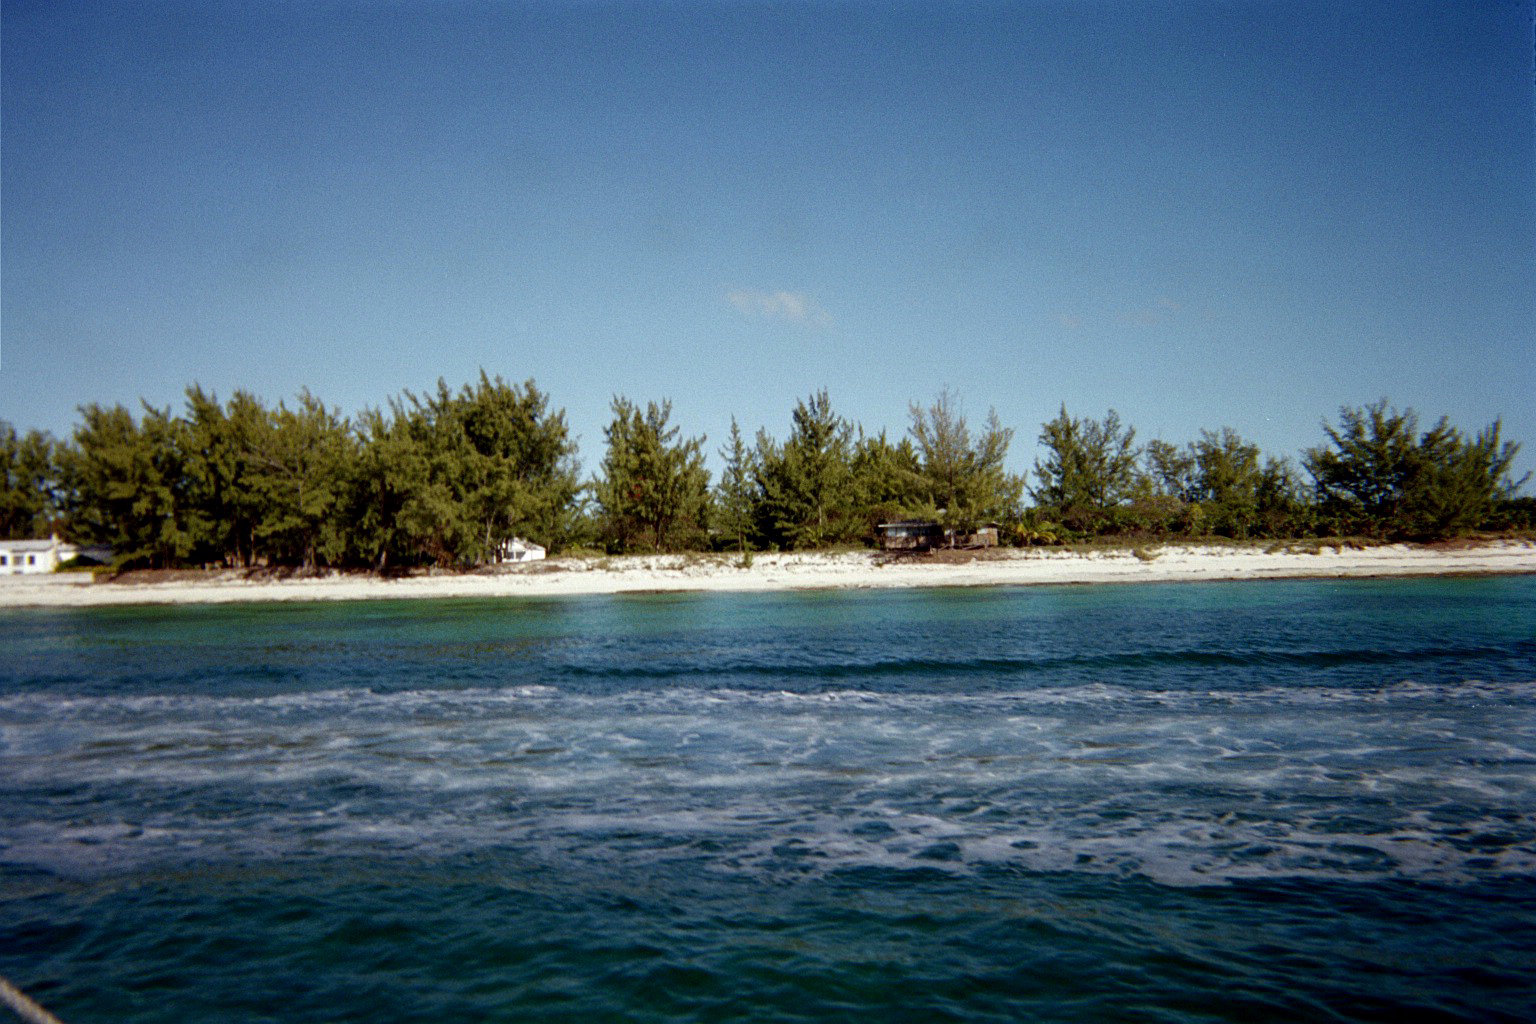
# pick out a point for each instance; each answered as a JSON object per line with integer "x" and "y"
{"x": 448, "y": 478}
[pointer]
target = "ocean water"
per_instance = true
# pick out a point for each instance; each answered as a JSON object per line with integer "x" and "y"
{"x": 1278, "y": 801}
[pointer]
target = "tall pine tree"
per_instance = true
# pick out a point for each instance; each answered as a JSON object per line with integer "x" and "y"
{"x": 654, "y": 489}
{"x": 737, "y": 500}
{"x": 965, "y": 482}
{"x": 807, "y": 481}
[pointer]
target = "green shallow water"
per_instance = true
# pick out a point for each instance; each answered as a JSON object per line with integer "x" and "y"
{"x": 1229, "y": 802}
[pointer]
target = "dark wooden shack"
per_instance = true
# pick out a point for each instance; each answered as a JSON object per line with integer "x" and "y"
{"x": 910, "y": 535}
{"x": 921, "y": 535}
{"x": 984, "y": 536}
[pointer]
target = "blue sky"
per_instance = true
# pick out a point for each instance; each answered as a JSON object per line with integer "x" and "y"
{"x": 1201, "y": 214}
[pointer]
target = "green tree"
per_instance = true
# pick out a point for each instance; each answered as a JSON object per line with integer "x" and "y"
{"x": 1379, "y": 475}
{"x": 448, "y": 478}
{"x": 654, "y": 489}
{"x": 1461, "y": 480}
{"x": 887, "y": 482}
{"x": 125, "y": 485}
{"x": 807, "y": 482}
{"x": 736, "y": 495}
{"x": 300, "y": 464}
{"x": 225, "y": 506}
{"x": 1216, "y": 484}
{"x": 99, "y": 471}
{"x": 1281, "y": 505}
{"x": 397, "y": 513}
{"x": 964, "y": 481}
{"x": 28, "y": 483}
{"x": 501, "y": 464}
{"x": 1227, "y": 478}
{"x": 1165, "y": 499}
{"x": 1171, "y": 470}
{"x": 1364, "y": 479}
{"x": 1089, "y": 469}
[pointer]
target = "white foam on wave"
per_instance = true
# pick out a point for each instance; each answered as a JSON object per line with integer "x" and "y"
{"x": 349, "y": 700}
{"x": 787, "y": 837}
{"x": 32, "y": 721}
{"x": 1186, "y": 787}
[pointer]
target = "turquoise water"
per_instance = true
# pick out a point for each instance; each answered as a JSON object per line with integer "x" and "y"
{"x": 1218, "y": 802}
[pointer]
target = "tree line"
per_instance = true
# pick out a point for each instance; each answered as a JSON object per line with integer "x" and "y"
{"x": 449, "y": 477}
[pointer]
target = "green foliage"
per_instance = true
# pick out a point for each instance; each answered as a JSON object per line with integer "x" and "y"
{"x": 450, "y": 477}
{"x": 221, "y": 477}
{"x": 1171, "y": 471}
{"x": 807, "y": 483}
{"x": 654, "y": 491}
{"x": 28, "y": 482}
{"x": 1217, "y": 486}
{"x": 125, "y": 484}
{"x": 1281, "y": 506}
{"x": 1227, "y": 482}
{"x": 223, "y": 485}
{"x": 299, "y": 461}
{"x": 1089, "y": 470}
{"x": 736, "y": 501}
{"x": 1514, "y": 513}
{"x": 99, "y": 474}
{"x": 396, "y": 512}
{"x": 500, "y": 465}
{"x": 1158, "y": 515}
{"x": 964, "y": 482}
{"x": 1034, "y": 530}
{"x": 1383, "y": 478}
{"x": 886, "y": 483}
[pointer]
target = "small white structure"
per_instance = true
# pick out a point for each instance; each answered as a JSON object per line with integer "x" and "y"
{"x": 519, "y": 550}
{"x": 40, "y": 556}
{"x": 28, "y": 556}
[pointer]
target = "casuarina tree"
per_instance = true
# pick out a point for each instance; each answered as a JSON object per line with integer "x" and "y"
{"x": 654, "y": 489}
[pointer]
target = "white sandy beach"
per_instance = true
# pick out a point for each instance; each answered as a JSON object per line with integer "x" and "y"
{"x": 768, "y": 572}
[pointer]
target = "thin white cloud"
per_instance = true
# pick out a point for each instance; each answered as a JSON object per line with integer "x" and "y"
{"x": 795, "y": 307}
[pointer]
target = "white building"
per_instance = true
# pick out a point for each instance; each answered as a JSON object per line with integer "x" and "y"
{"x": 39, "y": 556}
{"x": 519, "y": 550}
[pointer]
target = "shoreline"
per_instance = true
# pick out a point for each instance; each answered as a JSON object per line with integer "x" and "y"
{"x": 774, "y": 572}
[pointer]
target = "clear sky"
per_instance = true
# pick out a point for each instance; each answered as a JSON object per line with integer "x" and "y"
{"x": 1199, "y": 213}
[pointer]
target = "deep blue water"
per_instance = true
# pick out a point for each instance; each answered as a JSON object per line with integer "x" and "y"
{"x": 1219, "y": 802}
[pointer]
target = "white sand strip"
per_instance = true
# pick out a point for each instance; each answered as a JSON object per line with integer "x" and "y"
{"x": 769, "y": 572}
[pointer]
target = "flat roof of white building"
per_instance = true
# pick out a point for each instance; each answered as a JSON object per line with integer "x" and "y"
{"x": 29, "y": 545}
